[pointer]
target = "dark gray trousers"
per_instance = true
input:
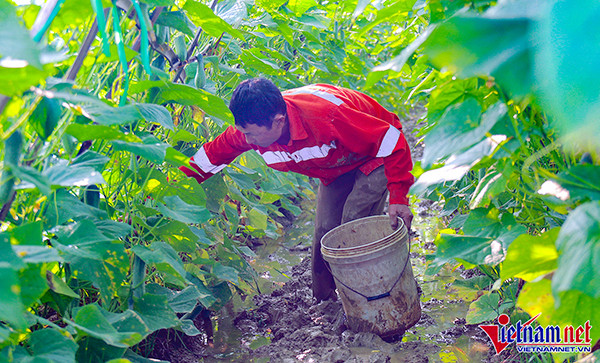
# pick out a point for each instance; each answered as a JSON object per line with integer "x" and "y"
{"x": 351, "y": 196}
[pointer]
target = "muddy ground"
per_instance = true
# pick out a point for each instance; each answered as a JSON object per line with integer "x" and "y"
{"x": 285, "y": 324}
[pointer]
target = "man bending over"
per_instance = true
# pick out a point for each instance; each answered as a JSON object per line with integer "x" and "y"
{"x": 343, "y": 137}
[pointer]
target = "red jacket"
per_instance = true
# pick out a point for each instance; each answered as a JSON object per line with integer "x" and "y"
{"x": 332, "y": 130}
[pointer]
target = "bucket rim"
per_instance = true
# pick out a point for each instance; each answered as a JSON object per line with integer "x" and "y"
{"x": 398, "y": 231}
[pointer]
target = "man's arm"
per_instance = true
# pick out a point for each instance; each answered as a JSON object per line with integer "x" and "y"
{"x": 215, "y": 155}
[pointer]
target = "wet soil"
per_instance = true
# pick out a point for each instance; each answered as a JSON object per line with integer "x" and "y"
{"x": 284, "y": 324}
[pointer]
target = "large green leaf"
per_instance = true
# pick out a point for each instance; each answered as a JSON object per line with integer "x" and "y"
{"x": 72, "y": 175}
{"x": 483, "y": 309}
{"x": 95, "y": 257}
{"x": 12, "y": 309}
{"x": 187, "y": 95}
{"x": 388, "y": 13}
{"x": 37, "y": 254}
{"x": 8, "y": 258}
{"x": 156, "y": 113}
{"x": 155, "y": 311}
{"x": 151, "y": 148}
{"x": 176, "y": 20}
{"x": 16, "y": 44}
{"x": 579, "y": 180}
{"x": 45, "y": 117}
{"x": 64, "y": 206}
{"x": 495, "y": 44}
{"x": 181, "y": 236}
{"x": 90, "y": 321}
{"x": 31, "y": 178}
{"x": 578, "y": 244}
{"x": 565, "y": 67}
{"x": 204, "y": 17}
{"x": 49, "y": 345}
{"x": 458, "y": 166}
{"x": 33, "y": 284}
{"x": 163, "y": 257}
{"x": 459, "y": 128}
{"x": 179, "y": 210}
{"x": 529, "y": 257}
{"x": 99, "y": 132}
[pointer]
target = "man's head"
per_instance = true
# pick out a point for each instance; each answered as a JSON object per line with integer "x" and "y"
{"x": 259, "y": 111}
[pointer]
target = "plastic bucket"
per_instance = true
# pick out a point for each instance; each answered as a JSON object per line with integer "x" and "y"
{"x": 370, "y": 263}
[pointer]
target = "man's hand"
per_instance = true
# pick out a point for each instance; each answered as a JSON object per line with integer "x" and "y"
{"x": 402, "y": 211}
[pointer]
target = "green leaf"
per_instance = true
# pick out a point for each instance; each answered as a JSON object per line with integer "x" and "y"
{"x": 154, "y": 3}
{"x": 257, "y": 219}
{"x": 104, "y": 114}
{"x": 37, "y": 254}
{"x": 16, "y": 43}
{"x": 566, "y": 55}
{"x": 99, "y": 132}
{"x": 578, "y": 245}
{"x": 483, "y": 309}
{"x": 31, "y": 178}
{"x": 163, "y": 257}
{"x": 300, "y": 7}
{"x": 225, "y": 273}
{"x": 92, "y": 160}
{"x": 155, "y": 311}
{"x": 185, "y": 136}
{"x": 185, "y": 300}
{"x": 28, "y": 234}
{"x": 204, "y": 17}
{"x": 189, "y": 328}
{"x": 64, "y": 206}
{"x": 395, "y": 64}
{"x": 151, "y": 148}
{"x": 176, "y": 158}
{"x": 8, "y": 258}
{"x": 15, "y": 81}
{"x": 59, "y": 286}
{"x": 179, "y": 210}
{"x": 156, "y": 113}
{"x": 90, "y": 321}
{"x": 484, "y": 45}
{"x": 95, "y": 257}
{"x": 127, "y": 321}
{"x": 388, "y": 13}
{"x": 176, "y": 20}
{"x": 529, "y": 257}
{"x": 12, "y": 309}
{"x": 180, "y": 236}
{"x": 578, "y": 180}
{"x": 45, "y": 117}
{"x": 243, "y": 181}
{"x": 189, "y": 190}
{"x": 52, "y": 346}
{"x": 187, "y": 95}
{"x": 462, "y": 125}
{"x": 72, "y": 175}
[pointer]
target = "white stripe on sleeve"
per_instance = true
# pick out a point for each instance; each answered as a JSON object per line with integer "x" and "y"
{"x": 389, "y": 142}
{"x": 201, "y": 159}
{"x": 307, "y": 153}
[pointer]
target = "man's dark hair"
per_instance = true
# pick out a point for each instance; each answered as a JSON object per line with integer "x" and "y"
{"x": 256, "y": 101}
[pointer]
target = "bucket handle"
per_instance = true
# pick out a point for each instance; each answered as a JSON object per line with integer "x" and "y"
{"x": 380, "y": 296}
